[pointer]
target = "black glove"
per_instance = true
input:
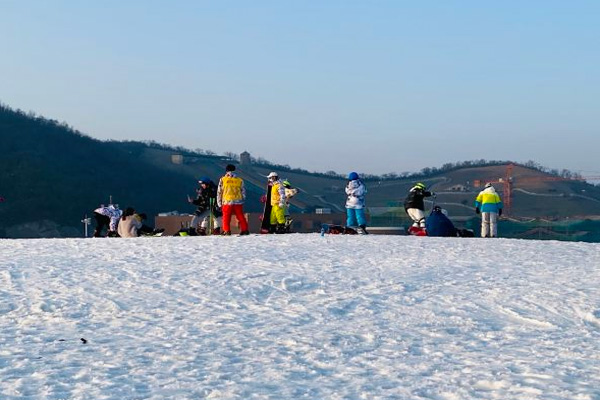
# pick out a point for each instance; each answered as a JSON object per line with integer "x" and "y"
{"x": 476, "y": 210}
{"x": 499, "y": 212}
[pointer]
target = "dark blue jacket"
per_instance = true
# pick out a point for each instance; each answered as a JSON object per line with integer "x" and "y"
{"x": 203, "y": 200}
{"x": 437, "y": 224}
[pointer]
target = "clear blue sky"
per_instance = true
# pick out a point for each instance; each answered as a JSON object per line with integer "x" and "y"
{"x": 371, "y": 86}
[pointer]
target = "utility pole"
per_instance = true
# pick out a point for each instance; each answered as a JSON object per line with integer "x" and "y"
{"x": 86, "y": 221}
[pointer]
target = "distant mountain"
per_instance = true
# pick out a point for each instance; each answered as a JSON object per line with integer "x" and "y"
{"x": 51, "y": 175}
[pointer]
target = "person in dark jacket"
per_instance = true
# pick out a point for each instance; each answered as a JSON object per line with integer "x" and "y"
{"x": 414, "y": 205}
{"x": 146, "y": 230}
{"x": 438, "y": 224}
{"x": 206, "y": 202}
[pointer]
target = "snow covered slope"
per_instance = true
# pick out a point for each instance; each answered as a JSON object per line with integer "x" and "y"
{"x": 299, "y": 317}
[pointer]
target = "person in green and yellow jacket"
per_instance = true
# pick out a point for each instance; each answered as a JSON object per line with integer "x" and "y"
{"x": 489, "y": 204}
{"x": 277, "y": 217}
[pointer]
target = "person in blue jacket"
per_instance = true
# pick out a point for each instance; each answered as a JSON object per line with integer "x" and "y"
{"x": 438, "y": 224}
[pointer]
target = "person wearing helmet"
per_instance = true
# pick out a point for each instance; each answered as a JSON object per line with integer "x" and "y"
{"x": 206, "y": 202}
{"x": 489, "y": 204}
{"x": 231, "y": 195}
{"x": 414, "y": 204}
{"x": 355, "y": 203}
{"x": 278, "y": 205}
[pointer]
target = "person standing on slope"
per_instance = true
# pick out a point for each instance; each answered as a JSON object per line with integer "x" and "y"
{"x": 206, "y": 201}
{"x": 414, "y": 204}
{"x": 290, "y": 192}
{"x": 231, "y": 195}
{"x": 277, "y": 217}
{"x": 489, "y": 204}
{"x": 355, "y": 203}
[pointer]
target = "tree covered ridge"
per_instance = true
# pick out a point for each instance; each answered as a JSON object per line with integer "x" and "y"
{"x": 17, "y": 115}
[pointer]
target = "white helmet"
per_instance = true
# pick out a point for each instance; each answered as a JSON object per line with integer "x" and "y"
{"x": 272, "y": 175}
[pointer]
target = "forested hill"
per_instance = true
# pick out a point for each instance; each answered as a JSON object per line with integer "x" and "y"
{"x": 51, "y": 172}
{"x": 51, "y": 175}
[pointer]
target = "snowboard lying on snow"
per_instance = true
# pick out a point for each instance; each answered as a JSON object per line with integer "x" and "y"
{"x": 337, "y": 230}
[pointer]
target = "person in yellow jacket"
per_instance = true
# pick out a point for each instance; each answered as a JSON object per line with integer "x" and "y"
{"x": 489, "y": 204}
{"x": 231, "y": 195}
{"x": 277, "y": 217}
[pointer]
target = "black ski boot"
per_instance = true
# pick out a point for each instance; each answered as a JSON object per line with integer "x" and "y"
{"x": 288, "y": 224}
{"x": 362, "y": 230}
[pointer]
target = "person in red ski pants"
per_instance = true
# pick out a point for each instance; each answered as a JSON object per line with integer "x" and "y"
{"x": 230, "y": 197}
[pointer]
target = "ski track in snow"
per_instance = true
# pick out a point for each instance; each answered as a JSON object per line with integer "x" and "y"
{"x": 299, "y": 317}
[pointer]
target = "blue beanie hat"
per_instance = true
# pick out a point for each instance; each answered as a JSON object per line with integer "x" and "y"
{"x": 204, "y": 179}
{"x": 352, "y": 176}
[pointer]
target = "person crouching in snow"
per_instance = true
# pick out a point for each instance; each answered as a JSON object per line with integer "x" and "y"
{"x": 277, "y": 217}
{"x": 230, "y": 198}
{"x": 129, "y": 224}
{"x": 207, "y": 207}
{"x": 355, "y": 203}
{"x": 145, "y": 230}
{"x": 414, "y": 205}
{"x": 438, "y": 224}
{"x": 107, "y": 216}
{"x": 489, "y": 204}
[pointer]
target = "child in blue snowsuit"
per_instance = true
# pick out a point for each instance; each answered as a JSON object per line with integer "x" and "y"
{"x": 355, "y": 203}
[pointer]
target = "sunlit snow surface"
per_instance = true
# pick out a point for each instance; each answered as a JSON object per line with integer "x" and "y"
{"x": 299, "y": 317}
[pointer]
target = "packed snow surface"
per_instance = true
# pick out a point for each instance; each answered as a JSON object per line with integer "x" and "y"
{"x": 299, "y": 317}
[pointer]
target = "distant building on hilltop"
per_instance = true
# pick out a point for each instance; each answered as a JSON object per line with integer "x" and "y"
{"x": 245, "y": 158}
{"x": 458, "y": 188}
{"x": 177, "y": 159}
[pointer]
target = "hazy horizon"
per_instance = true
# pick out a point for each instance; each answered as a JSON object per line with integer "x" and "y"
{"x": 372, "y": 87}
